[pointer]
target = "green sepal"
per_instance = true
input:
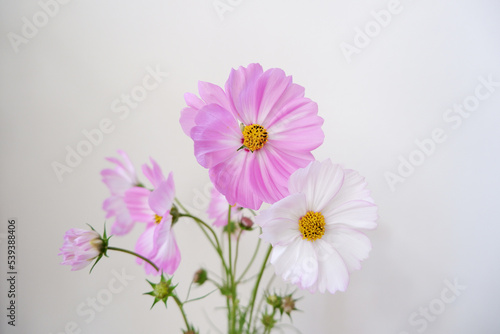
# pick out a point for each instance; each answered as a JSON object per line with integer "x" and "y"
{"x": 161, "y": 291}
{"x": 174, "y": 212}
{"x": 97, "y": 260}
{"x": 104, "y": 247}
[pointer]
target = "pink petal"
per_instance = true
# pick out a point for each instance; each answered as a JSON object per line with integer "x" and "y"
{"x": 121, "y": 177}
{"x": 78, "y": 249}
{"x": 162, "y": 231}
{"x": 269, "y": 176}
{"x": 232, "y": 178}
{"x": 218, "y": 209}
{"x": 187, "y": 119}
{"x": 116, "y": 181}
{"x": 154, "y": 175}
{"x": 115, "y": 206}
{"x": 193, "y": 101}
{"x": 292, "y": 96}
{"x": 268, "y": 90}
{"x": 272, "y": 171}
{"x": 189, "y": 114}
{"x": 218, "y": 136}
{"x": 236, "y": 87}
{"x": 137, "y": 200}
{"x": 127, "y": 165}
{"x": 168, "y": 256}
{"x": 162, "y": 198}
{"x": 213, "y": 94}
{"x": 298, "y": 127}
{"x": 145, "y": 247}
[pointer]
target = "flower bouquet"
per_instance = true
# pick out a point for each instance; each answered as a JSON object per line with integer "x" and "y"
{"x": 255, "y": 137}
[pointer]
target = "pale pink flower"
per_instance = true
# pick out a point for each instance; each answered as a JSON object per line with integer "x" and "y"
{"x": 315, "y": 230}
{"x": 158, "y": 242}
{"x": 218, "y": 209}
{"x": 253, "y": 135}
{"x": 119, "y": 180}
{"x": 80, "y": 248}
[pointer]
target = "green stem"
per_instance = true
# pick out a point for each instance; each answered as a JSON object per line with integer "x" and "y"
{"x": 181, "y": 308}
{"x": 135, "y": 254}
{"x": 261, "y": 302}
{"x": 237, "y": 251}
{"x": 198, "y": 298}
{"x": 216, "y": 244}
{"x": 177, "y": 300}
{"x": 250, "y": 263}
{"x": 229, "y": 247}
{"x": 182, "y": 206}
{"x": 256, "y": 287}
{"x": 232, "y": 311}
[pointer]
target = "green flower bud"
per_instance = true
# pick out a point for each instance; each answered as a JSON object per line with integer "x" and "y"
{"x": 288, "y": 304}
{"x": 268, "y": 320}
{"x": 200, "y": 276}
{"x": 274, "y": 301}
{"x": 246, "y": 224}
{"x": 161, "y": 291}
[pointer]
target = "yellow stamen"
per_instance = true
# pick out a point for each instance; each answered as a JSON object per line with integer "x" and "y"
{"x": 312, "y": 226}
{"x": 255, "y": 136}
{"x": 158, "y": 219}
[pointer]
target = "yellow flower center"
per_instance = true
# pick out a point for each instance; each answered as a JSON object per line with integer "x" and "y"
{"x": 312, "y": 226}
{"x": 158, "y": 219}
{"x": 255, "y": 136}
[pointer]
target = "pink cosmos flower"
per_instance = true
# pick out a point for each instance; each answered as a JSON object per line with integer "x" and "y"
{"x": 218, "y": 209}
{"x": 80, "y": 248}
{"x": 315, "y": 230}
{"x": 253, "y": 135}
{"x": 119, "y": 180}
{"x": 157, "y": 243}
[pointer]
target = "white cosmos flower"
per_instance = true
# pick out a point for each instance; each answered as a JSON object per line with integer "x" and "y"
{"x": 315, "y": 230}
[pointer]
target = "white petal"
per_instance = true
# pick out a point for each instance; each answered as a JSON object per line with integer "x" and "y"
{"x": 353, "y": 214}
{"x": 280, "y": 223}
{"x": 319, "y": 181}
{"x": 353, "y": 246}
{"x": 332, "y": 272}
{"x": 353, "y": 188}
{"x": 296, "y": 263}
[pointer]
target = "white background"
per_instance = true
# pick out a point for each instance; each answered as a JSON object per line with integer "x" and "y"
{"x": 441, "y": 224}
